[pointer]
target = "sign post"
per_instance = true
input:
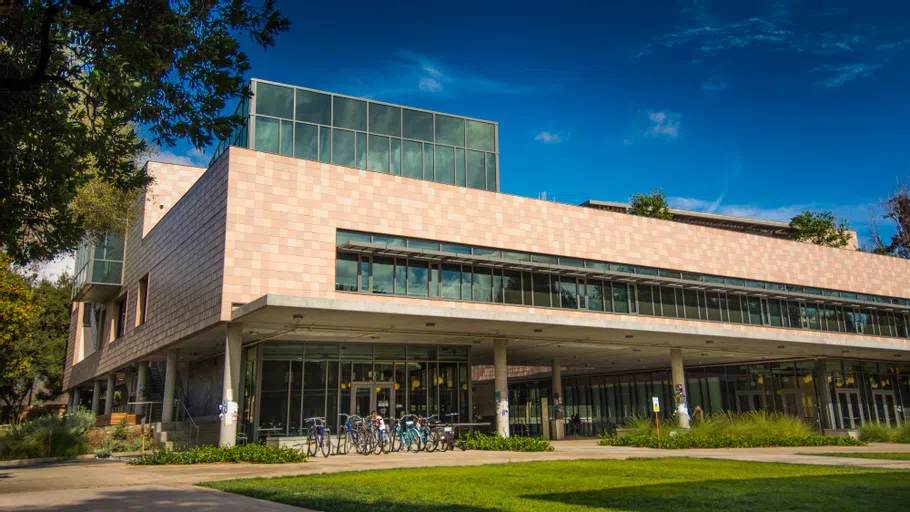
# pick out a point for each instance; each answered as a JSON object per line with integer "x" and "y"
{"x": 656, "y": 406}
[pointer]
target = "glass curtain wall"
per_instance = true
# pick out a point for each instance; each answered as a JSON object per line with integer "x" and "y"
{"x": 297, "y": 381}
{"x": 374, "y": 136}
{"x": 830, "y": 394}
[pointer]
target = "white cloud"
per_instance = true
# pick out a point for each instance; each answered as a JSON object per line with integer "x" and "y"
{"x": 429, "y": 85}
{"x": 856, "y": 214}
{"x": 53, "y": 269}
{"x": 840, "y": 75}
{"x": 193, "y": 157}
{"x": 663, "y": 123}
{"x": 548, "y": 138}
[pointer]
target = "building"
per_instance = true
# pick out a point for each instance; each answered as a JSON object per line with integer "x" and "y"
{"x": 343, "y": 255}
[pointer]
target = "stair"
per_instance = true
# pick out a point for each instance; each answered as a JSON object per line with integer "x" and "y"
{"x": 176, "y": 434}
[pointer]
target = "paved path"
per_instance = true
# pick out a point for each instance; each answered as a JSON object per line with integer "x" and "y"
{"x": 110, "y": 485}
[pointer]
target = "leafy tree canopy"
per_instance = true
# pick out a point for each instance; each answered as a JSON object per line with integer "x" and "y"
{"x": 79, "y": 78}
{"x": 650, "y": 205}
{"x": 820, "y": 228}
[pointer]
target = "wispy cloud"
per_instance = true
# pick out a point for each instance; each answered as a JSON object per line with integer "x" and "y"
{"x": 713, "y": 85}
{"x": 548, "y": 137}
{"x": 852, "y": 49}
{"x": 409, "y": 73}
{"x": 664, "y": 123}
{"x": 193, "y": 157}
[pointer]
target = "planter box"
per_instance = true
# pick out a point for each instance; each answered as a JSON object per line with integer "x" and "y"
{"x": 107, "y": 420}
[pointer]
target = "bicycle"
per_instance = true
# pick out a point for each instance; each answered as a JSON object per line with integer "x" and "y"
{"x": 347, "y": 436}
{"x": 317, "y": 438}
{"x": 447, "y": 436}
{"x": 406, "y": 434}
{"x": 429, "y": 437}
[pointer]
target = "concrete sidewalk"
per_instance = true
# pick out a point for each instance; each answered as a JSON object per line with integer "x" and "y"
{"x": 103, "y": 485}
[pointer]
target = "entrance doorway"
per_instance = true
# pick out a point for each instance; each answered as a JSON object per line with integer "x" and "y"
{"x": 849, "y": 411}
{"x": 885, "y": 407}
{"x": 369, "y": 397}
{"x": 800, "y": 403}
{"x": 751, "y": 401}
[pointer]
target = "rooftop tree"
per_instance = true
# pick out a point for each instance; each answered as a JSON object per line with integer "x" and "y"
{"x": 650, "y": 205}
{"x": 820, "y": 228}
{"x": 84, "y": 83}
{"x": 896, "y": 209}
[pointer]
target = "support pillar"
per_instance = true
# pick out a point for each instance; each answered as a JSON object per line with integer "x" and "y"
{"x": 76, "y": 397}
{"x": 142, "y": 376}
{"x": 558, "y": 401}
{"x": 96, "y": 397}
{"x": 230, "y": 391}
{"x": 170, "y": 385}
{"x": 501, "y": 386}
{"x": 109, "y": 398}
{"x": 679, "y": 387}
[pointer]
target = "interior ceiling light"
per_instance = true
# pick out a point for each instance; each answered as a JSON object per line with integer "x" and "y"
{"x": 431, "y": 324}
{"x": 629, "y": 336}
{"x": 780, "y": 346}
{"x": 298, "y": 316}
{"x": 709, "y": 342}
{"x": 538, "y": 330}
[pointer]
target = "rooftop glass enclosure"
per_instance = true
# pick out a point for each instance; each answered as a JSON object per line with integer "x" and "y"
{"x": 364, "y": 134}
{"x": 99, "y": 268}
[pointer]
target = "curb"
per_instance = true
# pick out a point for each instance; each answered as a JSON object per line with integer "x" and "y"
{"x": 41, "y": 460}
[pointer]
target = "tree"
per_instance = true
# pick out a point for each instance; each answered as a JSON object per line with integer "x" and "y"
{"x": 81, "y": 79}
{"x": 820, "y": 228}
{"x": 897, "y": 210}
{"x": 17, "y": 315}
{"x": 650, "y": 205}
{"x": 33, "y": 352}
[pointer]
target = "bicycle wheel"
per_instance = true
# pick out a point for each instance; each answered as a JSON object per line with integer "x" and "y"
{"x": 342, "y": 443}
{"x": 444, "y": 442}
{"x": 432, "y": 441}
{"x": 386, "y": 441}
{"x": 395, "y": 441}
{"x": 311, "y": 444}
{"x": 365, "y": 439}
{"x": 325, "y": 443}
{"x": 413, "y": 440}
{"x": 377, "y": 442}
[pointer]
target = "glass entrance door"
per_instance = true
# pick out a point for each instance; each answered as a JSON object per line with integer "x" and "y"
{"x": 366, "y": 398}
{"x": 849, "y": 412}
{"x": 884, "y": 410}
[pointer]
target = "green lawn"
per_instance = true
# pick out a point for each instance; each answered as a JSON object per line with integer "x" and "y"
{"x": 894, "y": 456}
{"x": 635, "y": 485}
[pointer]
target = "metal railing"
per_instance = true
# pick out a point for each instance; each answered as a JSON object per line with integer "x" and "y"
{"x": 189, "y": 424}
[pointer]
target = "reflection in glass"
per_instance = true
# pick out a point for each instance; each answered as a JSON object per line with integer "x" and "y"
{"x": 346, "y": 272}
{"x": 428, "y": 162}
{"x": 306, "y": 141}
{"x": 512, "y": 285}
{"x": 378, "y": 159}
{"x": 325, "y": 144}
{"x": 451, "y": 281}
{"x": 595, "y": 295}
{"x": 342, "y": 148}
{"x": 287, "y": 138}
{"x": 445, "y": 165}
{"x": 480, "y": 135}
{"x": 418, "y": 276}
{"x": 314, "y": 107}
{"x": 266, "y": 135}
{"x": 361, "y": 151}
{"x": 412, "y": 160}
{"x": 396, "y": 157}
{"x": 383, "y": 274}
{"x": 483, "y": 285}
{"x": 491, "y": 172}
{"x": 459, "y": 167}
{"x": 476, "y": 177}
{"x": 274, "y": 100}
{"x": 351, "y": 114}
{"x": 449, "y": 130}
{"x": 417, "y": 125}
{"x": 385, "y": 120}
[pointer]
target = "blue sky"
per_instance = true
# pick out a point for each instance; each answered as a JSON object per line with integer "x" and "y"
{"x": 750, "y": 108}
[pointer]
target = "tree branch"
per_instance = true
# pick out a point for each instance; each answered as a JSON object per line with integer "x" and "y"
{"x": 39, "y": 76}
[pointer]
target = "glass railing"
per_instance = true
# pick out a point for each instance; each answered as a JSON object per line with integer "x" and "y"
{"x": 99, "y": 262}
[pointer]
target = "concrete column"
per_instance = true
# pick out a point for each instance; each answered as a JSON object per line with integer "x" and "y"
{"x": 170, "y": 385}
{"x": 76, "y": 397}
{"x": 142, "y": 377}
{"x": 558, "y": 399}
{"x": 230, "y": 390}
{"x": 679, "y": 387}
{"x": 501, "y": 386}
{"x": 109, "y": 399}
{"x": 96, "y": 397}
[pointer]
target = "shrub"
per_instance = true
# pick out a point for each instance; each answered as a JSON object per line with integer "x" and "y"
{"x": 874, "y": 432}
{"x": 102, "y": 453}
{"x": 479, "y": 441}
{"x": 755, "y": 429}
{"x": 207, "y": 454}
{"x": 48, "y": 436}
{"x": 120, "y": 430}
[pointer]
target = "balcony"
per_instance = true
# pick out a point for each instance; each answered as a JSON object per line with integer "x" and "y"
{"x": 99, "y": 269}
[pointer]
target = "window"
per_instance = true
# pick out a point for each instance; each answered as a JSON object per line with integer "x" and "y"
{"x": 286, "y": 142}
{"x": 451, "y": 281}
{"x": 120, "y": 320}
{"x": 428, "y": 162}
{"x": 620, "y": 298}
{"x": 342, "y": 147}
{"x": 396, "y": 157}
{"x": 480, "y": 135}
{"x": 346, "y": 272}
{"x": 378, "y": 159}
{"x": 483, "y": 285}
{"x": 274, "y": 100}
{"x": 445, "y": 165}
{"x": 350, "y": 114}
{"x": 417, "y": 125}
{"x": 645, "y": 301}
{"x": 568, "y": 290}
{"x": 491, "y": 172}
{"x": 385, "y": 120}
{"x": 755, "y": 310}
{"x": 668, "y": 302}
{"x": 412, "y": 160}
{"x": 306, "y": 141}
{"x": 266, "y": 135}
{"x": 449, "y": 130}
{"x": 595, "y": 295}
{"x": 541, "y": 289}
{"x": 325, "y": 144}
{"x": 476, "y": 176}
{"x": 459, "y": 167}
{"x": 736, "y": 311}
{"x": 691, "y": 304}
{"x": 713, "y": 302}
{"x": 313, "y": 107}
{"x": 774, "y": 307}
{"x": 418, "y": 278}
{"x": 512, "y": 285}
{"x": 361, "y": 151}
{"x": 383, "y": 274}
{"x": 142, "y": 300}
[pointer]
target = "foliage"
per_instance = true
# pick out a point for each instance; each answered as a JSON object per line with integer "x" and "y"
{"x": 480, "y": 441}
{"x": 32, "y": 353}
{"x": 820, "y": 228}
{"x": 207, "y": 454}
{"x": 875, "y": 432}
{"x": 726, "y": 430}
{"x": 48, "y": 436}
{"x": 650, "y": 205}
{"x": 103, "y": 452}
{"x": 897, "y": 210}
{"x": 677, "y": 484}
{"x": 119, "y": 432}
{"x": 79, "y": 80}
{"x": 103, "y": 207}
